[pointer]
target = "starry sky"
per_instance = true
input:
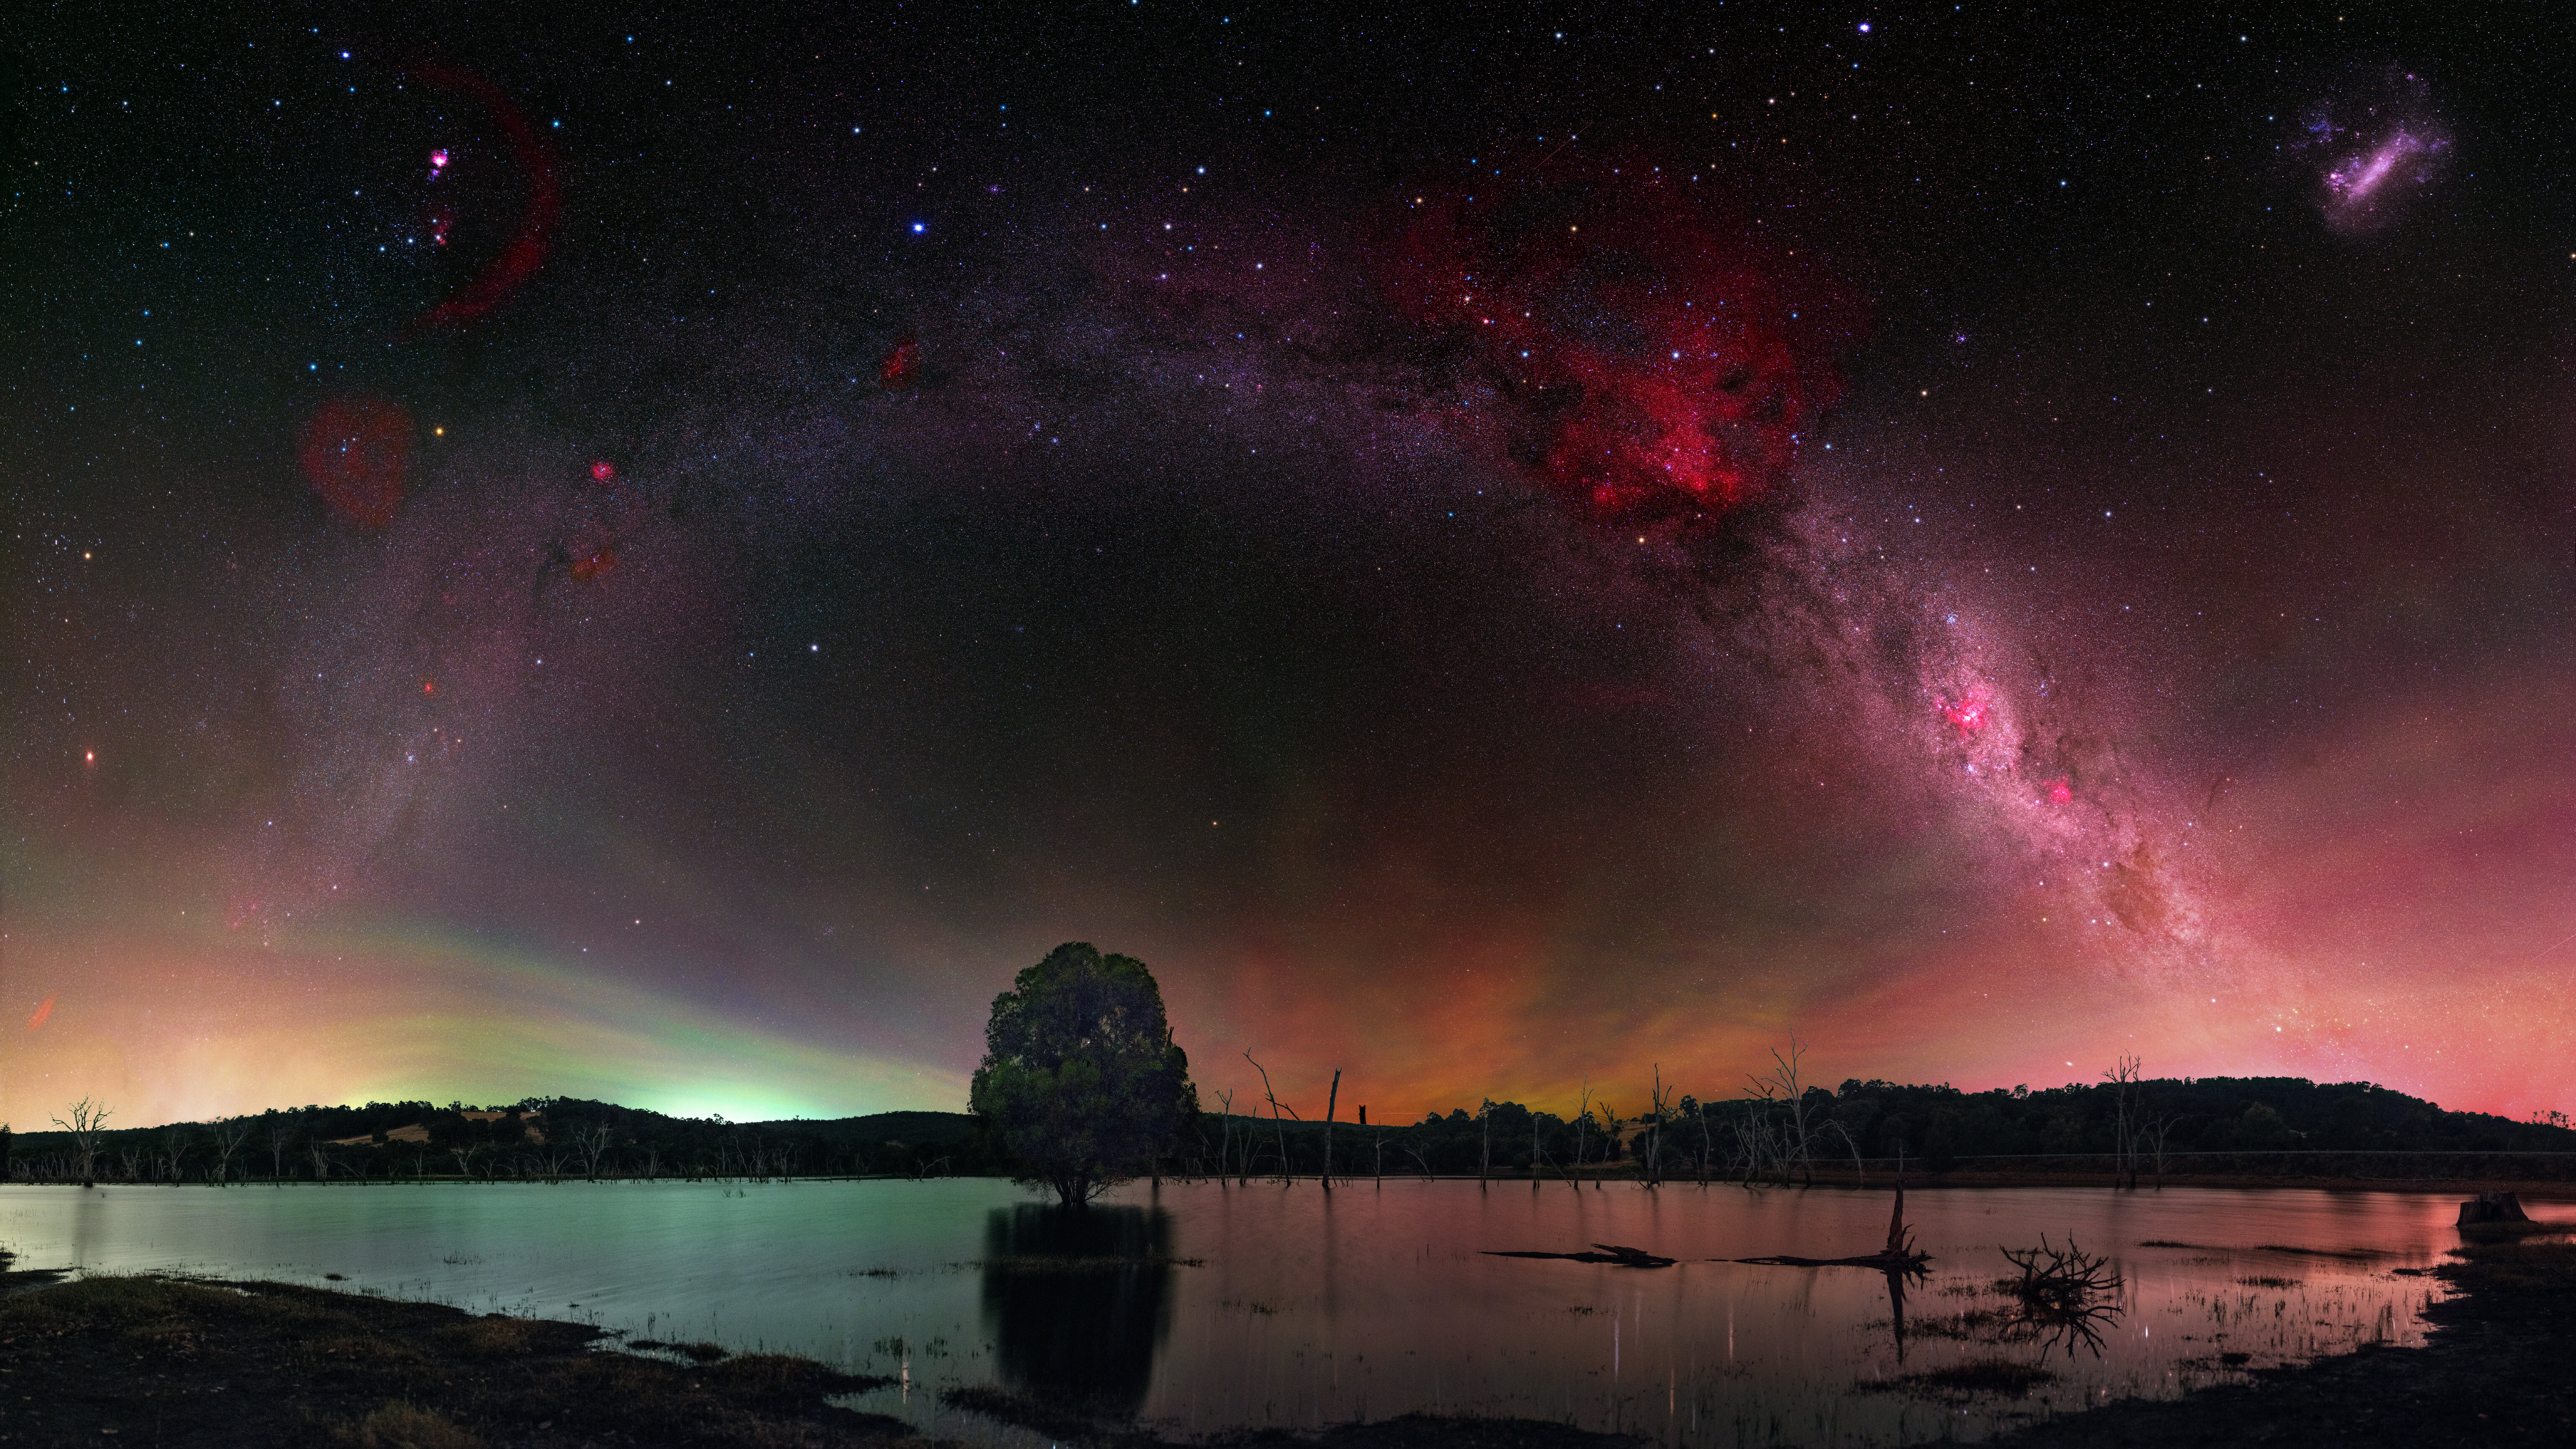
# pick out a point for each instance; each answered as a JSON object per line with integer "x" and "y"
{"x": 664, "y": 555}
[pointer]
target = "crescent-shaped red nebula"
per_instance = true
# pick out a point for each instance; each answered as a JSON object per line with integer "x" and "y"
{"x": 528, "y": 245}
{"x": 355, "y": 449}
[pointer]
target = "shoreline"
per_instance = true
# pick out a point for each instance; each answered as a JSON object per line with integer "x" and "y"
{"x": 240, "y": 1363}
{"x": 2538, "y": 1189}
{"x": 2494, "y": 1370}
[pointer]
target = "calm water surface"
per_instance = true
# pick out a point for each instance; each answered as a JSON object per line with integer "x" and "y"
{"x": 1204, "y": 1307}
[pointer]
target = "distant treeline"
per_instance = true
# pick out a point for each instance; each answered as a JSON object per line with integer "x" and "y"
{"x": 537, "y": 1139}
{"x": 1934, "y": 1127}
{"x": 1813, "y": 1128}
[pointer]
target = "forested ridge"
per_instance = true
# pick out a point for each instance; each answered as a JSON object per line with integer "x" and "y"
{"x": 1935, "y": 1127}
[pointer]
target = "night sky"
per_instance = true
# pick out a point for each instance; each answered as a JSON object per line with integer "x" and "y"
{"x": 664, "y": 556}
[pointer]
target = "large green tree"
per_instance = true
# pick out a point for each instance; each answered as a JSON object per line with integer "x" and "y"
{"x": 1081, "y": 1078}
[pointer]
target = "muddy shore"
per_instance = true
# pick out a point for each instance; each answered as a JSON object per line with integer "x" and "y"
{"x": 155, "y": 1360}
{"x": 2498, "y": 1368}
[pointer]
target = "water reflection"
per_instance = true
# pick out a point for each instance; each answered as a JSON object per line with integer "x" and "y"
{"x": 1078, "y": 1301}
{"x": 1896, "y": 1304}
{"x": 1311, "y": 1311}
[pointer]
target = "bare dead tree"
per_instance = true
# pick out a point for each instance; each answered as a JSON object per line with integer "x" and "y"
{"x": 2151, "y": 1137}
{"x": 279, "y": 1128}
{"x": 1609, "y": 1140}
{"x": 590, "y": 1144}
{"x": 2123, "y": 1079}
{"x": 1650, "y": 1165}
{"x": 172, "y": 1154}
{"x": 1782, "y": 1083}
{"x": 320, "y": 1152}
{"x": 1753, "y": 1137}
{"x": 1485, "y": 1120}
{"x": 1582, "y": 1126}
{"x": 1275, "y": 1119}
{"x": 1707, "y": 1146}
{"x": 1332, "y": 1101}
{"x": 2066, "y": 1294}
{"x": 229, "y": 1135}
{"x": 88, "y": 1120}
{"x": 1833, "y": 1127}
{"x": 1225, "y": 1134}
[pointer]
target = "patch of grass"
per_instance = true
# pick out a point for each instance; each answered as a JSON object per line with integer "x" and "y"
{"x": 1975, "y": 1376}
{"x": 1057, "y": 1421}
{"x": 2350, "y": 1255}
{"x": 2514, "y": 1266}
{"x": 2499, "y": 1232}
{"x": 776, "y": 1377}
{"x": 493, "y": 1336}
{"x": 1976, "y": 1325}
{"x": 2269, "y": 1282}
{"x": 2167, "y": 1243}
{"x": 401, "y": 1425}
{"x": 1079, "y": 1265}
{"x": 702, "y": 1352}
{"x": 1436, "y": 1431}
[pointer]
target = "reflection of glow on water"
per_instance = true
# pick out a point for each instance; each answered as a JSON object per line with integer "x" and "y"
{"x": 1262, "y": 1305}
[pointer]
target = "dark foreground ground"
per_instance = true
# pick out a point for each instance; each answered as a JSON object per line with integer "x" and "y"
{"x": 2499, "y": 1369}
{"x": 158, "y": 1361}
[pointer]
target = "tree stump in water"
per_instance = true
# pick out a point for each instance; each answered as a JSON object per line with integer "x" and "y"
{"x": 2492, "y": 1207}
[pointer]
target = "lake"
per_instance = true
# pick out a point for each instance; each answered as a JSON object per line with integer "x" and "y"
{"x": 1204, "y": 1306}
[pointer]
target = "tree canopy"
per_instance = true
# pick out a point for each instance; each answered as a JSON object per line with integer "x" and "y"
{"x": 1081, "y": 1078}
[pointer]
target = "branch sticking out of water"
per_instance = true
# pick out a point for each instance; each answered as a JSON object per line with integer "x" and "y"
{"x": 1610, "y": 1253}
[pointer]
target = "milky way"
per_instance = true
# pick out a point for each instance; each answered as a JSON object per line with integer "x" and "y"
{"x": 645, "y": 566}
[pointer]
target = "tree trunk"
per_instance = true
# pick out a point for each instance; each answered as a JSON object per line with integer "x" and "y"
{"x": 1332, "y": 1099}
{"x": 2492, "y": 1207}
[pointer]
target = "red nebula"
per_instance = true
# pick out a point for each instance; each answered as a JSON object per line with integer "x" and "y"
{"x": 526, "y": 250}
{"x": 901, "y": 362}
{"x": 1666, "y": 363}
{"x": 602, "y": 471}
{"x": 43, "y": 1014}
{"x": 355, "y": 450}
{"x": 1968, "y": 714}
{"x": 2060, "y": 791}
{"x": 594, "y": 563}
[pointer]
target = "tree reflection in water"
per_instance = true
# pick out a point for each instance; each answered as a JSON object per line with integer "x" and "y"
{"x": 1078, "y": 1301}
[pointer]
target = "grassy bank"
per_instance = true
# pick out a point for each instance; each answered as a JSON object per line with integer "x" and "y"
{"x": 2495, "y": 1372}
{"x": 146, "y": 1360}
